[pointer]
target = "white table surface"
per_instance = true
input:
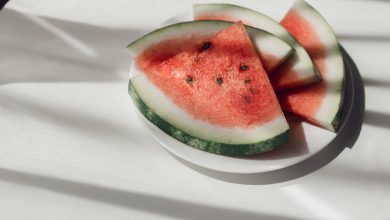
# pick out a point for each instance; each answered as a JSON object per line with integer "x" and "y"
{"x": 71, "y": 146}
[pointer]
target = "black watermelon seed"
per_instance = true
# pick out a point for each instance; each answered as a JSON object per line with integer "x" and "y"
{"x": 219, "y": 81}
{"x": 189, "y": 79}
{"x": 205, "y": 46}
{"x": 244, "y": 67}
{"x": 247, "y": 81}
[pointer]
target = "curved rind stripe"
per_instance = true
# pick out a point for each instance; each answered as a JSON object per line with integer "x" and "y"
{"x": 206, "y": 145}
{"x": 163, "y": 106}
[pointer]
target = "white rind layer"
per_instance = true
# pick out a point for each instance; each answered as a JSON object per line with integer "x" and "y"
{"x": 249, "y": 16}
{"x": 163, "y": 106}
{"x": 302, "y": 62}
{"x": 269, "y": 44}
{"x": 334, "y": 75}
{"x": 263, "y": 41}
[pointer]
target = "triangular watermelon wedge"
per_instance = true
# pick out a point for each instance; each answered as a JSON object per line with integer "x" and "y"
{"x": 319, "y": 103}
{"x": 297, "y": 71}
{"x": 214, "y": 96}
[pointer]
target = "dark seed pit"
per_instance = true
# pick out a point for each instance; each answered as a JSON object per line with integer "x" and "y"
{"x": 205, "y": 46}
{"x": 244, "y": 67}
{"x": 189, "y": 79}
{"x": 247, "y": 81}
{"x": 219, "y": 81}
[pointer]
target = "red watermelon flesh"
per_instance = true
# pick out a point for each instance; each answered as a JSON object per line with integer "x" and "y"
{"x": 321, "y": 102}
{"x": 228, "y": 89}
{"x": 162, "y": 51}
{"x": 168, "y": 48}
{"x": 285, "y": 76}
{"x": 269, "y": 61}
{"x": 297, "y": 71}
{"x": 307, "y": 100}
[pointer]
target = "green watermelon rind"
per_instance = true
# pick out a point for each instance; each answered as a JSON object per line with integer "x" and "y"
{"x": 226, "y": 6}
{"x": 336, "y": 122}
{"x": 206, "y": 145}
{"x": 206, "y": 27}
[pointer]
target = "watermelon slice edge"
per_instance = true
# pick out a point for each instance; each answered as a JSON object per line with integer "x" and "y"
{"x": 321, "y": 103}
{"x": 206, "y": 145}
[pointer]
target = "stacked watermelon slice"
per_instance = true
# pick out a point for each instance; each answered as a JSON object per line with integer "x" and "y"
{"x": 222, "y": 82}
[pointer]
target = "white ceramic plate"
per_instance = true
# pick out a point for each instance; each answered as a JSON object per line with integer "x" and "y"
{"x": 306, "y": 139}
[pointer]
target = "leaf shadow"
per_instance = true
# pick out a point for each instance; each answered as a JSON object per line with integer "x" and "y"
{"x": 75, "y": 120}
{"x": 41, "y": 49}
{"x": 162, "y": 206}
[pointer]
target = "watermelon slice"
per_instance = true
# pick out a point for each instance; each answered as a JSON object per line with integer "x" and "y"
{"x": 214, "y": 96}
{"x": 299, "y": 69}
{"x": 319, "y": 103}
{"x": 272, "y": 50}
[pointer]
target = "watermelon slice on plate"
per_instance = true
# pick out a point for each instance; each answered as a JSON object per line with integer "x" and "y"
{"x": 297, "y": 71}
{"x": 306, "y": 141}
{"x": 320, "y": 103}
{"x": 168, "y": 41}
{"x": 214, "y": 96}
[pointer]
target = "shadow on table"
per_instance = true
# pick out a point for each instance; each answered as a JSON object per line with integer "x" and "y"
{"x": 368, "y": 81}
{"x": 346, "y": 137}
{"x": 377, "y": 119}
{"x": 296, "y": 146}
{"x": 362, "y": 37}
{"x": 77, "y": 121}
{"x": 41, "y": 49}
{"x": 149, "y": 203}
